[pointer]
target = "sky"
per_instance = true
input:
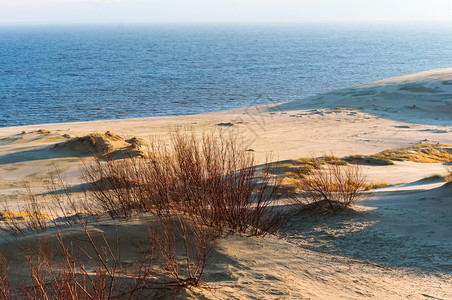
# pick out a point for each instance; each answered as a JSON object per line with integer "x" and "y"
{"x": 229, "y": 11}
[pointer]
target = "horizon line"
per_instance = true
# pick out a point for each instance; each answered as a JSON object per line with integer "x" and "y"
{"x": 411, "y": 22}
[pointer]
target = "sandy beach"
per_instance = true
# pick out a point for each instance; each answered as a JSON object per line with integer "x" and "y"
{"x": 395, "y": 245}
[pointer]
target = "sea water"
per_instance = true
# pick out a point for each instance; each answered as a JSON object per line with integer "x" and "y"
{"x": 55, "y": 73}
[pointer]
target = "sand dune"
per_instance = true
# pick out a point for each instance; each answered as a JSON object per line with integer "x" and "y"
{"x": 421, "y": 98}
{"x": 98, "y": 144}
{"x": 396, "y": 245}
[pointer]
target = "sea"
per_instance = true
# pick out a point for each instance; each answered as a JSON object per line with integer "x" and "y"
{"x": 53, "y": 74}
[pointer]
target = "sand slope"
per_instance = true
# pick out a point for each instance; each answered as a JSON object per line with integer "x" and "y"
{"x": 422, "y": 98}
{"x": 396, "y": 245}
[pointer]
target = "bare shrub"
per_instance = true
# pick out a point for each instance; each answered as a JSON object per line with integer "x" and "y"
{"x": 212, "y": 177}
{"x": 32, "y": 216}
{"x": 5, "y": 289}
{"x": 330, "y": 187}
{"x": 64, "y": 202}
{"x": 39, "y": 263}
{"x": 218, "y": 181}
{"x": 89, "y": 271}
{"x": 37, "y": 218}
{"x": 112, "y": 185}
{"x": 183, "y": 246}
{"x": 90, "y": 268}
{"x": 70, "y": 207}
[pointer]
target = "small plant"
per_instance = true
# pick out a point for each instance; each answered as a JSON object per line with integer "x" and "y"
{"x": 5, "y": 289}
{"x": 331, "y": 187}
{"x": 88, "y": 269}
{"x": 183, "y": 246}
{"x": 376, "y": 185}
{"x": 31, "y": 218}
{"x": 448, "y": 166}
{"x": 332, "y": 160}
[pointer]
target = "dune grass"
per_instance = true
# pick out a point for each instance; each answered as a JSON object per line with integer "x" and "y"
{"x": 10, "y": 215}
{"x": 330, "y": 187}
{"x": 421, "y": 153}
{"x": 376, "y": 185}
{"x": 373, "y": 160}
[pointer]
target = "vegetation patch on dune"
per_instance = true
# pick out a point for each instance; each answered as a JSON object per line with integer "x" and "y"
{"x": 332, "y": 186}
{"x": 421, "y": 152}
{"x": 376, "y": 185}
{"x": 374, "y": 160}
{"x": 39, "y": 131}
{"x": 304, "y": 165}
{"x": 9, "y": 215}
{"x": 103, "y": 145}
{"x": 286, "y": 167}
{"x": 292, "y": 172}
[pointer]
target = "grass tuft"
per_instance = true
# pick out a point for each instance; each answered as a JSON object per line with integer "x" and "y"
{"x": 421, "y": 153}
{"x": 373, "y": 160}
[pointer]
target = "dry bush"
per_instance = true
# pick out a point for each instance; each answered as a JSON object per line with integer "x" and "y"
{"x": 38, "y": 266}
{"x": 5, "y": 289}
{"x": 90, "y": 268}
{"x": 31, "y": 218}
{"x": 113, "y": 185}
{"x": 36, "y": 216}
{"x": 218, "y": 181}
{"x": 183, "y": 246}
{"x": 69, "y": 206}
{"x": 333, "y": 186}
{"x": 176, "y": 253}
{"x": 64, "y": 204}
{"x": 90, "y": 271}
{"x": 212, "y": 177}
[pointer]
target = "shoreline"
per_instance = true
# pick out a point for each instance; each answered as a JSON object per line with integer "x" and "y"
{"x": 442, "y": 74}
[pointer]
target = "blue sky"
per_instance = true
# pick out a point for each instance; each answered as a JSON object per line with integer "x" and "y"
{"x": 163, "y": 11}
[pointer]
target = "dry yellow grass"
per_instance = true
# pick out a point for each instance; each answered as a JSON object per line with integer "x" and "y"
{"x": 10, "y": 215}
{"x": 421, "y": 153}
{"x": 376, "y": 185}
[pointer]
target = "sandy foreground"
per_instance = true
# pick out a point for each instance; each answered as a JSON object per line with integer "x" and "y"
{"x": 396, "y": 245}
